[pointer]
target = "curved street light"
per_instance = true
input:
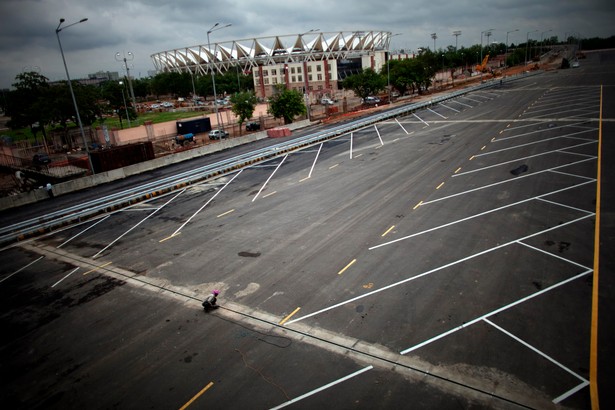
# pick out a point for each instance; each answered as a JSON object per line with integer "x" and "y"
{"x": 541, "y": 41}
{"x": 215, "y": 27}
{"x": 70, "y": 87}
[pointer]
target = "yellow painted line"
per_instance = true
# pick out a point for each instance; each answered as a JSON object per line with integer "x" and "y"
{"x": 304, "y": 179}
{"x": 169, "y": 237}
{"x": 457, "y": 170}
{"x": 508, "y": 126}
{"x": 196, "y": 396}
{"x": 289, "y": 316}
{"x": 388, "y": 230}
{"x": 226, "y": 213}
{"x": 472, "y": 157}
{"x": 484, "y": 146}
{"x": 440, "y": 186}
{"x": 270, "y": 193}
{"x": 417, "y": 205}
{"x": 347, "y": 266}
{"x": 333, "y": 166}
{"x": 96, "y": 268}
{"x": 593, "y": 346}
{"x": 501, "y": 132}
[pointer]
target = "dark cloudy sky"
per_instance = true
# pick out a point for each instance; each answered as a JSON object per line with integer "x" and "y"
{"x": 144, "y": 27}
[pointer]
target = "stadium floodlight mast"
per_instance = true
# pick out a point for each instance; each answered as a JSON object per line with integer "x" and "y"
{"x": 456, "y": 33}
{"x": 434, "y": 36}
{"x": 70, "y": 87}
{"x": 215, "y": 27}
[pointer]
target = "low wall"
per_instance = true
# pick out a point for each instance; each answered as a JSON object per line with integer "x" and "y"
{"x": 113, "y": 175}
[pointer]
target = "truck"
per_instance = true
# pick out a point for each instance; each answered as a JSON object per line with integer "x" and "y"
{"x": 193, "y": 126}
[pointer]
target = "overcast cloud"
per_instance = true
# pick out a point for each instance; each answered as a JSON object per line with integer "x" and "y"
{"x": 145, "y": 27}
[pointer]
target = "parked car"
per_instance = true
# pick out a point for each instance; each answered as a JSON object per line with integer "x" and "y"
{"x": 217, "y": 134}
{"x": 371, "y": 100}
{"x": 41, "y": 159}
{"x": 253, "y": 126}
{"x": 326, "y": 101}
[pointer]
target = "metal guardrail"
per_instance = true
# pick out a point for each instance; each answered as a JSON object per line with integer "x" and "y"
{"x": 109, "y": 203}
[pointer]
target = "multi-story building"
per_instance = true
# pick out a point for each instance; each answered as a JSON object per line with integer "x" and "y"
{"x": 313, "y": 63}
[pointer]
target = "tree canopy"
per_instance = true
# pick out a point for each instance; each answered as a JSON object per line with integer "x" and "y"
{"x": 287, "y": 104}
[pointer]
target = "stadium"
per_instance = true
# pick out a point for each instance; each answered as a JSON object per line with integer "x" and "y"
{"x": 312, "y": 63}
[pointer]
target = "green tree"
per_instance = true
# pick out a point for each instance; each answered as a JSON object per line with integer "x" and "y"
{"x": 25, "y": 104}
{"x": 366, "y": 83}
{"x": 243, "y": 106}
{"x": 287, "y": 104}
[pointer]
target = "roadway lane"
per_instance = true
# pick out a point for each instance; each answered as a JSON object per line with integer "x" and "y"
{"x": 408, "y": 245}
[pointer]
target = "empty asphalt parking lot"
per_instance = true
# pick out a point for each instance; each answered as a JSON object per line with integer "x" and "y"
{"x": 445, "y": 259}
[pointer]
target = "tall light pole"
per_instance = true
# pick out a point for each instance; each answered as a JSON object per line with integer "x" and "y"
{"x": 456, "y": 34}
{"x": 125, "y": 107}
{"x": 306, "y": 94}
{"x": 527, "y": 40}
{"x": 388, "y": 61}
{"x": 541, "y": 35}
{"x": 215, "y": 27}
{"x": 434, "y": 36}
{"x": 506, "y": 54}
{"x": 70, "y": 87}
{"x": 125, "y": 59}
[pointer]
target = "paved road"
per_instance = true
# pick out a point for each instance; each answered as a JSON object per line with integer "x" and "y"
{"x": 439, "y": 260}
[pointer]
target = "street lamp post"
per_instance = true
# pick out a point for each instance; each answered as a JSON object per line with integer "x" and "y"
{"x": 434, "y": 36}
{"x": 215, "y": 27}
{"x": 70, "y": 87}
{"x": 125, "y": 107}
{"x": 506, "y": 54}
{"x": 527, "y": 40}
{"x": 125, "y": 59}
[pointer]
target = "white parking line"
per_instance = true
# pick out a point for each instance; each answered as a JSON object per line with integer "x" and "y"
{"x": 316, "y": 158}
{"x": 529, "y": 346}
{"x": 494, "y": 312}
{"x": 402, "y": 127}
{"x": 420, "y": 119}
{"x": 326, "y": 386}
{"x": 538, "y": 142}
{"x": 379, "y": 137}
{"x": 460, "y": 103}
{"x": 429, "y": 272}
{"x": 85, "y": 230}
{"x": 139, "y": 223}
{"x": 540, "y": 131}
{"x": 559, "y": 150}
{"x": 437, "y": 113}
{"x": 70, "y": 273}
{"x": 22, "y": 268}
{"x": 467, "y": 218}
{"x": 450, "y": 108}
{"x": 505, "y": 181}
{"x": 268, "y": 179}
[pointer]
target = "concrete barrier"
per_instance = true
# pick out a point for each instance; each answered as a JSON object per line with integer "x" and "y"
{"x": 90, "y": 181}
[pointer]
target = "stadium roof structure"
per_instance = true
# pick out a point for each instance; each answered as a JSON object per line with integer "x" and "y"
{"x": 249, "y": 53}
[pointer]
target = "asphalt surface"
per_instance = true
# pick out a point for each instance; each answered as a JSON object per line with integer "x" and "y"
{"x": 440, "y": 260}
